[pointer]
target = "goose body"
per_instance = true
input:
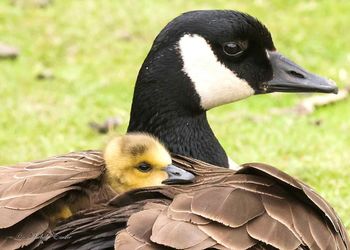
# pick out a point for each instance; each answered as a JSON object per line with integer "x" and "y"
{"x": 257, "y": 207}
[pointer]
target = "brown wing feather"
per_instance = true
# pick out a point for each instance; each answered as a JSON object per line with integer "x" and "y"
{"x": 180, "y": 209}
{"x": 42, "y": 182}
{"x": 15, "y": 211}
{"x": 265, "y": 203}
{"x": 232, "y": 238}
{"x": 140, "y": 224}
{"x": 176, "y": 234}
{"x": 272, "y": 232}
{"x": 125, "y": 241}
{"x": 301, "y": 191}
{"x": 29, "y": 187}
{"x": 227, "y": 205}
{"x": 25, "y": 232}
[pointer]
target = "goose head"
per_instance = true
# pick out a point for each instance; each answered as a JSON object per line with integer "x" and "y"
{"x": 215, "y": 57}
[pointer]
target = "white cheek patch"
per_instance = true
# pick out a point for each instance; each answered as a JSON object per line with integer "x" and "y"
{"x": 214, "y": 83}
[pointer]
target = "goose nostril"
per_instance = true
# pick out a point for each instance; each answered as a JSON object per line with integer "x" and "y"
{"x": 295, "y": 74}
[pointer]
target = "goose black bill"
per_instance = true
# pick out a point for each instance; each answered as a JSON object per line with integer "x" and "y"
{"x": 177, "y": 175}
{"x": 290, "y": 77}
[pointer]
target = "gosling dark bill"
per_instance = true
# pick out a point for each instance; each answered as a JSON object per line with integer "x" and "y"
{"x": 177, "y": 175}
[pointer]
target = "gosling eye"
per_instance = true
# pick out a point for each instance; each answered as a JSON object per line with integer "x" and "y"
{"x": 234, "y": 49}
{"x": 144, "y": 167}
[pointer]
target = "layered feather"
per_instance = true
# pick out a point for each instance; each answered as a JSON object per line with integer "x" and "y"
{"x": 27, "y": 188}
{"x": 258, "y": 207}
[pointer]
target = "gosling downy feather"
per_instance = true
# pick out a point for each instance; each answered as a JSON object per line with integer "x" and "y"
{"x": 204, "y": 59}
{"x": 35, "y": 195}
{"x": 257, "y": 207}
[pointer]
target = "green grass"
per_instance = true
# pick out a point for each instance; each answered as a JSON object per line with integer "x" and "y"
{"x": 95, "y": 48}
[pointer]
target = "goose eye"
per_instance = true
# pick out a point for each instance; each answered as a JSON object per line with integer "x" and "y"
{"x": 232, "y": 49}
{"x": 144, "y": 167}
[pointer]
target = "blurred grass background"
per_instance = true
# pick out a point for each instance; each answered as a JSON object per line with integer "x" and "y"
{"x": 94, "y": 50}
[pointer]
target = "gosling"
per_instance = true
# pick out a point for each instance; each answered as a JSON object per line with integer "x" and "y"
{"x": 36, "y": 195}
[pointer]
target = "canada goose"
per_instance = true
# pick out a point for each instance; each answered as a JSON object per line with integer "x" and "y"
{"x": 191, "y": 68}
{"x": 204, "y": 59}
{"x": 35, "y": 195}
{"x": 257, "y": 207}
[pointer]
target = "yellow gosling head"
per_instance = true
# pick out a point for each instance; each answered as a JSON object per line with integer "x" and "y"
{"x": 138, "y": 160}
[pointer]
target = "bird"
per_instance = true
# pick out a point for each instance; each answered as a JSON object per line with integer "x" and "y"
{"x": 256, "y": 207}
{"x": 34, "y": 196}
{"x": 200, "y": 60}
{"x": 204, "y": 59}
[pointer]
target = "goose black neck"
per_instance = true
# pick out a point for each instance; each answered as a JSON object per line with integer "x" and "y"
{"x": 181, "y": 134}
{"x": 167, "y": 106}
